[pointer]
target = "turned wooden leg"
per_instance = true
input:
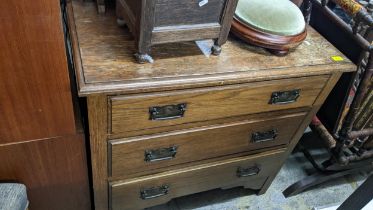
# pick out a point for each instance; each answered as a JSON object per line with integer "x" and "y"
{"x": 142, "y": 55}
{"x": 143, "y": 58}
{"x": 216, "y": 48}
{"x": 143, "y": 41}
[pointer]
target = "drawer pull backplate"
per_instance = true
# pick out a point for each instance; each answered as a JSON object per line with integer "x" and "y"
{"x": 167, "y": 112}
{"x": 154, "y": 192}
{"x": 160, "y": 154}
{"x": 285, "y": 97}
{"x": 245, "y": 172}
{"x": 264, "y": 136}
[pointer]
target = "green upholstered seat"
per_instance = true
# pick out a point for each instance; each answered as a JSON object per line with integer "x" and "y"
{"x": 278, "y": 17}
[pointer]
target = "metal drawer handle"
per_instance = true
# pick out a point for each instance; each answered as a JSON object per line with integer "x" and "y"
{"x": 264, "y": 136}
{"x": 154, "y": 192}
{"x": 285, "y": 97}
{"x": 167, "y": 112}
{"x": 245, "y": 172}
{"x": 160, "y": 154}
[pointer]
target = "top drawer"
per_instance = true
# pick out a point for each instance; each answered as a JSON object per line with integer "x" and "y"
{"x": 151, "y": 111}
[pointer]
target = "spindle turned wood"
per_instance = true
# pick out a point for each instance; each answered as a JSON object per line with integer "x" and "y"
{"x": 229, "y": 100}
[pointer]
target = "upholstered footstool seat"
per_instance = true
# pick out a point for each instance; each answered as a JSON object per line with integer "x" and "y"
{"x": 13, "y": 196}
{"x": 277, "y": 25}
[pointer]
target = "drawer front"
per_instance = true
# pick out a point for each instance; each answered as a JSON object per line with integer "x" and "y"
{"x": 152, "y": 111}
{"x": 154, "y": 153}
{"x": 187, "y": 12}
{"x": 250, "y": 172}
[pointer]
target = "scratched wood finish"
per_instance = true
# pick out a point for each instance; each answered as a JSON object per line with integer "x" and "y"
{"x": 195, "y": 144}
{"x": 222, "y": 174}
{"x": 210, "y": 103}
{"x": 35, "y": 94}
{"x": 107, "y": 64}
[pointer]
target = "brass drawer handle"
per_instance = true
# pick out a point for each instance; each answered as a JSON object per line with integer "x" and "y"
{"x": 167, "y": 112}
{"x": 245, "y": 172}
{"x": 154, "y": 192}
{"x": 264, "y": 136}
{"x": 285, "y": 97}
{"x": 160, "y": 154}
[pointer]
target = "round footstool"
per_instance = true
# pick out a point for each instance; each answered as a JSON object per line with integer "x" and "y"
{"x": 277, "y": 25}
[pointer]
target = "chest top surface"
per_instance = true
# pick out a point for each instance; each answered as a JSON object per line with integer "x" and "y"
{"x": 105, "y": 64}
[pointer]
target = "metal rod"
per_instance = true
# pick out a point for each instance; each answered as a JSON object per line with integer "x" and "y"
{"x": 361, "y": 133}
{"x": 355, "y": 157}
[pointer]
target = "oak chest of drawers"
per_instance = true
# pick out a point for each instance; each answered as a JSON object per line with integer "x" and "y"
{"x": 188, "y": 123}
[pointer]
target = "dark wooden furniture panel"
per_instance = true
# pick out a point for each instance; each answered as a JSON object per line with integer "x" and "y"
{"x": 185, "y": 12}
{"x": 35, "y": 96}
{"x": 248, "y": 171}
{"x": 152, "y": 153}
{"x": 53, "y": 170}
{"x": 211, "y": 103}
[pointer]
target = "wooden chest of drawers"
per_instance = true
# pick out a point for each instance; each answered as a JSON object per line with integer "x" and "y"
{"x": 188, "y": 123}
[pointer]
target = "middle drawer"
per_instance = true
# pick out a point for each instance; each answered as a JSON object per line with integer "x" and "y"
{"x": 152, "y": 153}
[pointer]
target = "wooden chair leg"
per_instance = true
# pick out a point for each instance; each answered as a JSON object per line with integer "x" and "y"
{"x": 319, "y": 178}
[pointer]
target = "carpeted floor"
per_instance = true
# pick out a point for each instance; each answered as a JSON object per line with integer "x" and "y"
{"x": 295, "y": 168}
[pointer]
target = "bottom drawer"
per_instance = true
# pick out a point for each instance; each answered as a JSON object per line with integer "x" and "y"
{"x": 249, "y": 171}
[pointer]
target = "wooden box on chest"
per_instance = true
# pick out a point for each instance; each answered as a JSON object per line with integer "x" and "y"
{"x": 164, "y": 21}
{"x": 188, "y": 123}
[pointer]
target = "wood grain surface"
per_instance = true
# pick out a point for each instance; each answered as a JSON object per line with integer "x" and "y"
{"x": 302, "y": 127}
{"x": 107, "y": 64}
{"x": 97, "y": 119}
{"x": 35, "y": 95}
{"x": 186, "y": 12}
{"x": 199, "y": 143}
{"x": 222, "y": 174}
{"x": 210, "y": 103}
{"x": 54, "y": 171}
{"x": 223, "y": 95}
